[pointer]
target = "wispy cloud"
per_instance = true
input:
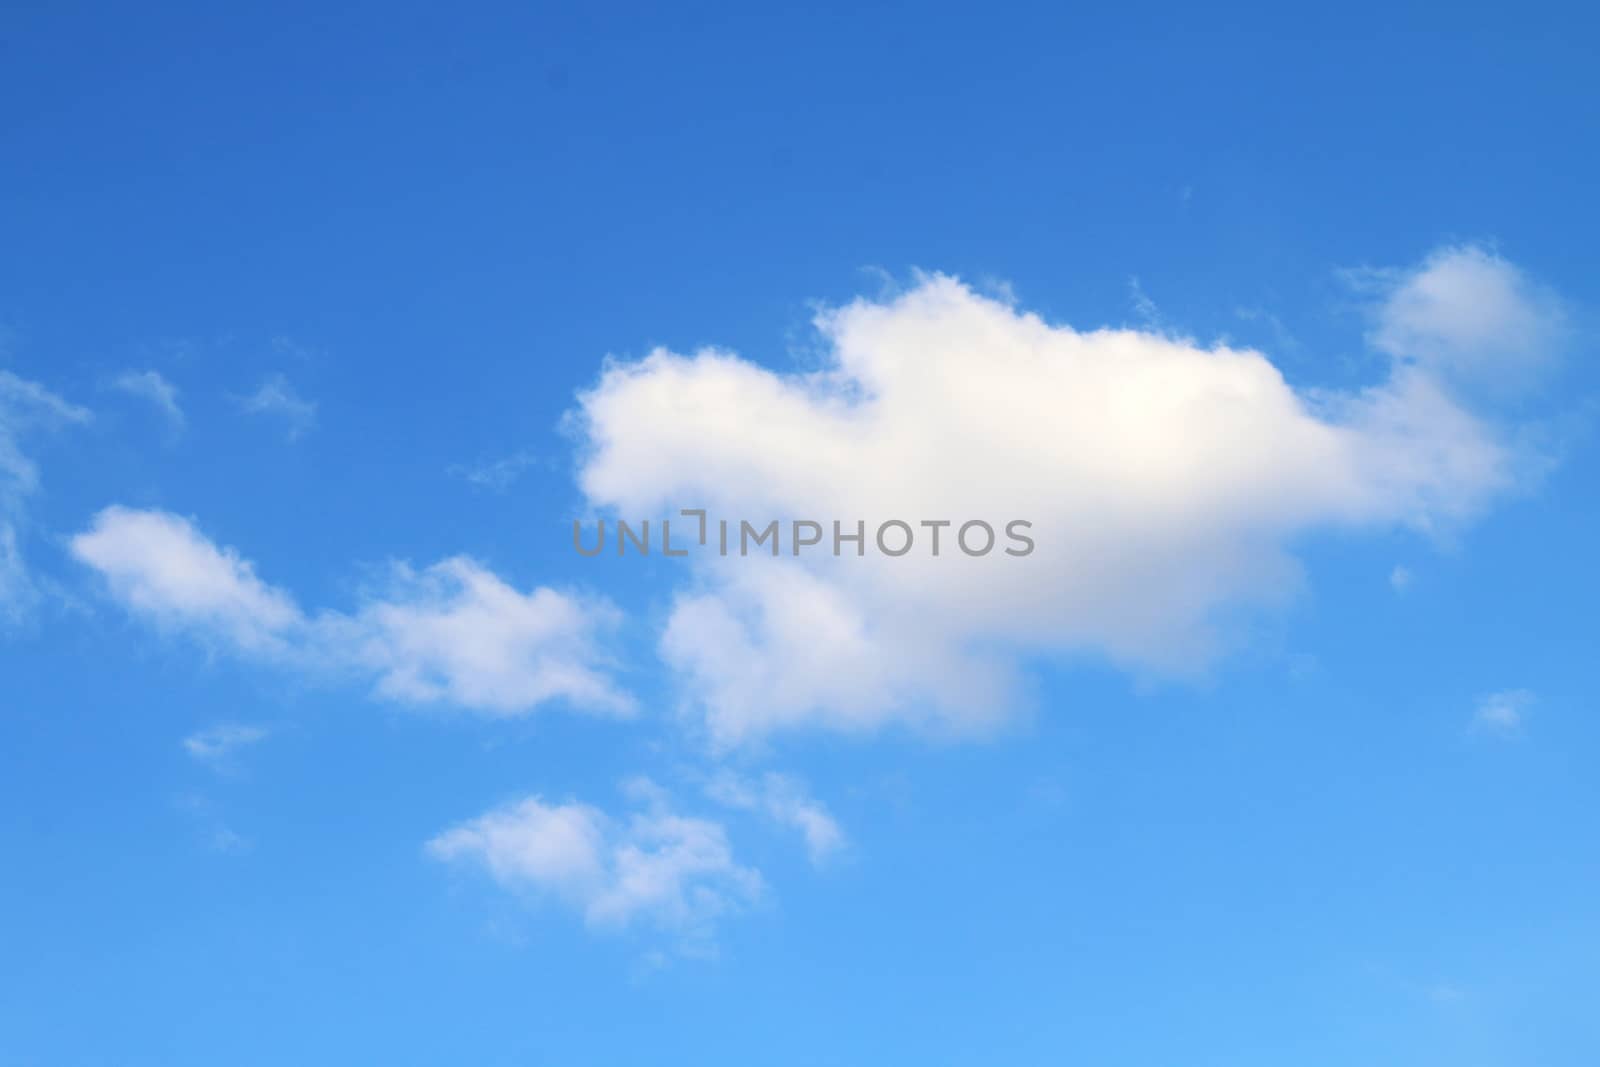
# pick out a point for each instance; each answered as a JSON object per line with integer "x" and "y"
{"x": 1283, "y": 340}
{"x": 786, "y": 801}
{"x": 216, "y": 745}
{"x": 149, "y": 385}
{"x": 1144, "y": 307}
{"x": 277, "y": 398}
{"x": 1503, "y": 713}
{"x": 496, "y": 475}
{"x": 25, "y": 407}
{"x": 286, "y": 346}
{"x": 1401, "y": 578}
{"x": 214, "y": 831}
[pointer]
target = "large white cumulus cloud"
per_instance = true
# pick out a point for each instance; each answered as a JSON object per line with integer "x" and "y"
{"x": 1166, "y": 483}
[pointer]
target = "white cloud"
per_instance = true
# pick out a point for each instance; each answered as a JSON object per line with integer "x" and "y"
{"x": 1401, "y": 578}
{"x": 786, "y": 801}
{"x": 25, "y": 407}
{"x": 453, "y": 633}
{"x": 1165, "y": 483}
{"x": 456, "y": 633}
{"x": 1503, "y": 712}
{"x": 276, "y": 397}
{"x": 215, "y": 745}
{"x": 656, "y": 867}
{"x": 1468, "y": 315}
{"x": 161, "y": 567}
{"x": 150, "y": 385}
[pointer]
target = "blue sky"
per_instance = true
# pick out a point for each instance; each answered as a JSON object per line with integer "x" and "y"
{"x": 320, "y": 744}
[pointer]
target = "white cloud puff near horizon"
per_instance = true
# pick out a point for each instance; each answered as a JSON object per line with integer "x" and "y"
{"x": 1166, "y": 483}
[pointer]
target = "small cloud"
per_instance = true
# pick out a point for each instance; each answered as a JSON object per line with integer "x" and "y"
{"x": 1400, "y": 579}
{"x": 1467, "y": 315}
{"x": 653, "y": 867}
{"x": 496, "y": 475}
{"x": 161, "y": 566}
{"x": 277, "y": 398}
{"x": 785, "y": 801}
{"x": 1143, "y": 306}
{"x": 151, "y": 386}
{"x": 452, "y": 633}
{"x": 1503, "y": 712}
{"x": 25, "y": 403}
{"x": 292, "y": 349}
{"x": 213, "y": 746}
{"x": 1283, "y": 340}
{"x": 216, "y": 834}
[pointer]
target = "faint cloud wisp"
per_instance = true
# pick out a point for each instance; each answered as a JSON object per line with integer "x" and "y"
{"x": 277, "y": 398}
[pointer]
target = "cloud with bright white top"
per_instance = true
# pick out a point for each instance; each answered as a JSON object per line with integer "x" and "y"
{"x": 1166, "y": 482}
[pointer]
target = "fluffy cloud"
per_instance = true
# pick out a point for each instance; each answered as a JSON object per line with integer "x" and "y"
{"x": 25, "y": 407}
{"x": 1165, "y": 482}
{"x": 1468, "y": 315}
{"x": 654, "y": 866}
{"x": 453, "y": 633}
{"x": 785, "y": 801}
{"x": 161, "y": 567}
{"x": 456, "y": 633}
